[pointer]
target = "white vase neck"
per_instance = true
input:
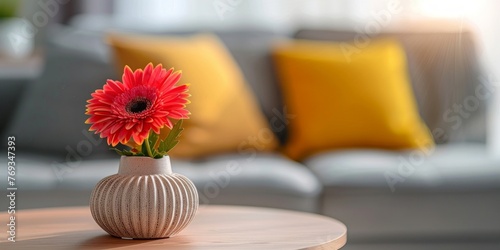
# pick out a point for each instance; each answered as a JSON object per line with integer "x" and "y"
{"x": 140, "y": 165}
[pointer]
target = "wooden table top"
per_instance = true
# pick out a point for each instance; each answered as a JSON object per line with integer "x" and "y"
{"x": 214, "y": 227}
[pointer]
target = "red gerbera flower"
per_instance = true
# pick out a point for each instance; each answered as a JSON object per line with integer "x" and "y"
{"x": 143, "y": 101}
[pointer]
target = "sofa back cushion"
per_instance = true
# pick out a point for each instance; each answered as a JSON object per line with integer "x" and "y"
{"x": 48, "y": 118}
{"x": 340, "y": 102}
{"x": 224, "y": 114}
{"x": 251, "y": 50}
{"x": 450, "y": 88}
{"x": 51, "y": 114}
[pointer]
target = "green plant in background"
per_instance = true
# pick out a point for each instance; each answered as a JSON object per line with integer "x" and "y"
{"x": 8, "y": 8}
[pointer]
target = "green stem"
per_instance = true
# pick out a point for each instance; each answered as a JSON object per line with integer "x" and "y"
{"x": 148, "y": 147}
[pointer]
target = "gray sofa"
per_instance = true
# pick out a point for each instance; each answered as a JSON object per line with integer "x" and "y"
{"x": 445, "y": 199}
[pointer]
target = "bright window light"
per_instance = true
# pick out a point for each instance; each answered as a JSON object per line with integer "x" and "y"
{"x": 443, "y": 8}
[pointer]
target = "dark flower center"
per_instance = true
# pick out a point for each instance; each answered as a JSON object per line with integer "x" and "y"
{"x": 138, "y": 105}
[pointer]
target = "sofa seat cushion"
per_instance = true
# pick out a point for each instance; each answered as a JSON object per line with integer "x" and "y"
{"x": 260, "y": 180}
{"x": 33, "y": 172}
{"x": 453, "y": 166}
{"x": 453, "y": 193}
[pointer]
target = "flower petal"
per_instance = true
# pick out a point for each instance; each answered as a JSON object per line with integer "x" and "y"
{"x": 128, "y": 75}
{"x": 148, "y": 71}
{"x": 114, "y": 113}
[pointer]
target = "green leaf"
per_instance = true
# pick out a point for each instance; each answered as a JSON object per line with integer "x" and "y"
{"x": 171, "y": 146}
{"x": 153, "y": 138}
{"x": 144, "y": 150}
{"x": 123, "y": 152}
{"x": 116, "y": 150}
{"x": 171, "y": 140}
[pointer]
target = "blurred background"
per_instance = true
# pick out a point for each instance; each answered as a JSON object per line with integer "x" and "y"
{"x": 32, "y": 21}
{"x": 54, "y": 53}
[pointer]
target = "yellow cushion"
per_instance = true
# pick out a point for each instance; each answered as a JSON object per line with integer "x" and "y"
{"x": 225, "y": 117}
{"x": 341, "y": 101}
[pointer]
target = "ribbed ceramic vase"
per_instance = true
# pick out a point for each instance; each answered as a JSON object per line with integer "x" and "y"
{"x": 145, "y": 200}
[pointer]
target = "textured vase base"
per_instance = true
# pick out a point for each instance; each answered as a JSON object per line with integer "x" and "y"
{"x": 145, "y": 200}
{"x": 128, "y": 238}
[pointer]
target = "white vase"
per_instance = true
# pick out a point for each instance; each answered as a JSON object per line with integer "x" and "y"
{"x": 145, "y": 200}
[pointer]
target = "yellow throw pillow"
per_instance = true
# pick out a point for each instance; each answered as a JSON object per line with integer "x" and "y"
{"x": 225, "y": 117}
{"x": 340, "y": 101}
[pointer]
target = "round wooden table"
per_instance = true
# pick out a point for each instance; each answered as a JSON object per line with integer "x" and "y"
{"x": 214, "y": 227}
